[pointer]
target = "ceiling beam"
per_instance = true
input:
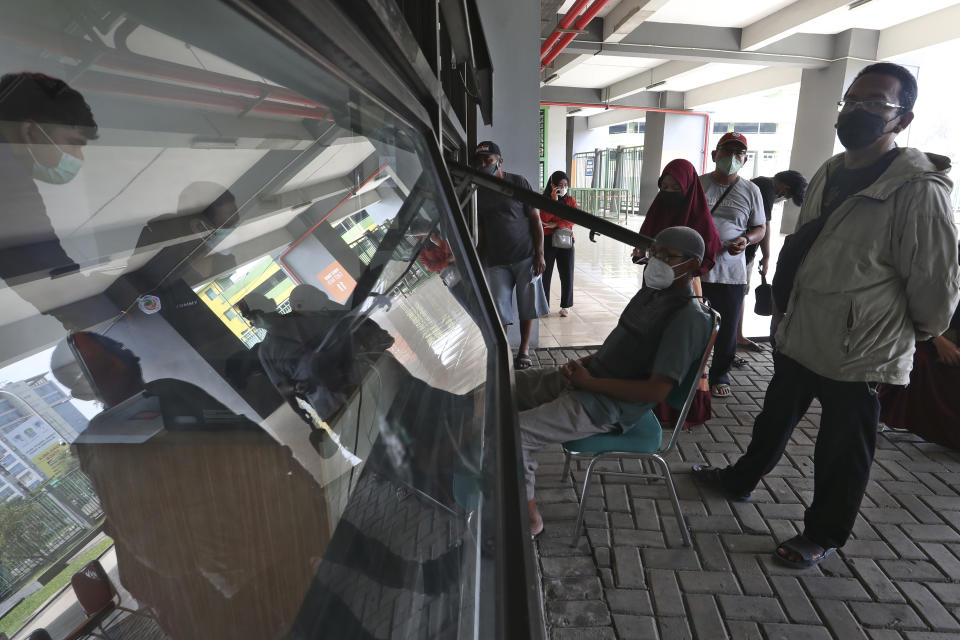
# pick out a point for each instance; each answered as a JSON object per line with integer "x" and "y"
{"x": 627, "y": 16}
{"x": 563, "y": 63}
{"x": 639, "y": 82}
{"x": 710, "y": 44}
{"x": 614, "y": 116}
{"x": 786, "y": 22}
{"x": 925, "y": 31}
{"x": 143, "y": 124}
{"x": 569, "y": 95}
{"x": 761, "y": 80}
{"x": 548, "y": 13}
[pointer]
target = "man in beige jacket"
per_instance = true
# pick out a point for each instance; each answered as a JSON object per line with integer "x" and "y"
{"x": 881, "y": 274}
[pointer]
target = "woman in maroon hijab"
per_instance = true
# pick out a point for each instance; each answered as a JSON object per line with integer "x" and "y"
{"x": 681, "y": 202}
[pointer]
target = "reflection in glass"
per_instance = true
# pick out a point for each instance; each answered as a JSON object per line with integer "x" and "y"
{"x": 240, "y": 361}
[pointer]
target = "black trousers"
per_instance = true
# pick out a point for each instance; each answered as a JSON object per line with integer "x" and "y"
{"x": 727, "y": 300}
{"x": 843, "y": 453}
{"x": 564, "y": 260}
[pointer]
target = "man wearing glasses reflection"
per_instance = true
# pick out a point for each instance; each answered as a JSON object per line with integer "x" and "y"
{"x": 873, "y": 269}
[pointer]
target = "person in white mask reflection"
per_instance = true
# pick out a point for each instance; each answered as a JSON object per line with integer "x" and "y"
{"x": 662, "y": 330}
{"x": 737, "y": 209}
{"x": 44, "y": 125}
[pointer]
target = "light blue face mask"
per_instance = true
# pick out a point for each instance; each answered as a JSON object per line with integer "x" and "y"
{"x": 729, "y": 165}
{"x": 216, "y": 236}
{"x": 65, "y": 171}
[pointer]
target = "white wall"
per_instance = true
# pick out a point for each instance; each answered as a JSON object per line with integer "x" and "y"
{"x": 599, "y": 138}
{"x": 556, "y": 139}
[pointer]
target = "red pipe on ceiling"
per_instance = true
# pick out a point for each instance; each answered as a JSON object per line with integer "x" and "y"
{"x": 139, "y": 88}
{"x": 581, "y": 22}
{"x": 565, "y": 23}
{"x": 155, "y": 67}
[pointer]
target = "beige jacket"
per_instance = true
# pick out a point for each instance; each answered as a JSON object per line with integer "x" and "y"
{"x": 882, "y": 274}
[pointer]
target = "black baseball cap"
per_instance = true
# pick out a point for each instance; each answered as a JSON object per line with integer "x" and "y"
{"x": 488, "y": 148}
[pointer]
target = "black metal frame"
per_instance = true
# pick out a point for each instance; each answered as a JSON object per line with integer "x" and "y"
{"x": 598, "y": 226}
{"x": 319, "y": 29}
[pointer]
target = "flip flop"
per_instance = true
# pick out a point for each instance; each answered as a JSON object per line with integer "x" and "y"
{"x": 738, "y": 362}
{"x": 810, "y": 552}
{"x": 749, "y": 345}
{"x": 710, "y": 476}
{"x": 721, "y": 390}
{"x": 522, "y": 361}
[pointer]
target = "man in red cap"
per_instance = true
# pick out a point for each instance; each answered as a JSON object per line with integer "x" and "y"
{"x": 738, "y": 214}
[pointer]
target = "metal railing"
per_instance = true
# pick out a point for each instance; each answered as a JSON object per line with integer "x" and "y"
{"x": 39, "y": 527}
{"x": 606, "y": 203}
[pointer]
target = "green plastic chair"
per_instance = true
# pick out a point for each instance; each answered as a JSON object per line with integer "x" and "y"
{"x": 642, "y": 442}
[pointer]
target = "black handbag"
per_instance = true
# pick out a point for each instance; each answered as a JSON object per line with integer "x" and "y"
{"x": 763, "y": 295}
{"x": 794, "y": 250}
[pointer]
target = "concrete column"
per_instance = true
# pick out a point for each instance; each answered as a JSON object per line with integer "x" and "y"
{"x": 653, "y": 138}
{"x": 512, "y": 30}
{"x": 668, "y": 136}
{"x": 556, "y": 140}
{"x": 815, "y": 138}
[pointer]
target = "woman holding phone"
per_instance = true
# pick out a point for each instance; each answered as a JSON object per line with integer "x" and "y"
{"x": 558, "y": 241}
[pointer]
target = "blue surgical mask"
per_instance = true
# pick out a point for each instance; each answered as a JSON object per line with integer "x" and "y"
{"x": 729, "y": 165}
{"x": 65, "y": 171}
{"x": 215, "y": 236}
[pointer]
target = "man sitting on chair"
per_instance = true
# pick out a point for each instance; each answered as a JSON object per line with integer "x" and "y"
{"x": 660, "y": 334}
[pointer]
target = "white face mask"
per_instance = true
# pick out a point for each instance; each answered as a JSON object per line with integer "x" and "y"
{"x": 562, "y": 191}
{"x": 660, "y": 275}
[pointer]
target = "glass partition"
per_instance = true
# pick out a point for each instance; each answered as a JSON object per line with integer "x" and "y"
{"x": 243, "y": 368}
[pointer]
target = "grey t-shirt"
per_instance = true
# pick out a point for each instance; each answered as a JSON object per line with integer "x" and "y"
{"x": 660, "y": 332}
{"x": 504, "y": 225}
{"x": 740, "y": 210}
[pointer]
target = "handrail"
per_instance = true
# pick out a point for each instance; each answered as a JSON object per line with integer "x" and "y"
{"x": 598, "y": 225}
{"x": 601, "y": 200}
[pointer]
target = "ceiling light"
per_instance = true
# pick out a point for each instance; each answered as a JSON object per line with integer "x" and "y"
{"x": 551, "y": 78}
{"x": 656, "y": 84}
{"x": 857, "y": 3}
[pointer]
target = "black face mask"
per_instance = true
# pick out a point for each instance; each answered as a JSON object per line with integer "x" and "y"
{"x": 672, "y": 199}
{"x": 859, "y": 128}
{"x": 491, "y": 169}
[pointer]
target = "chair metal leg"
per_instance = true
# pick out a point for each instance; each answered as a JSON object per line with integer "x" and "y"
{"x": 566, "y": 467}
{"x": 583, "y": 502}
{"x": 668, "y": 478}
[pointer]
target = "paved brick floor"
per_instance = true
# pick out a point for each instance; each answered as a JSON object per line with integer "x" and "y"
{"x": 630, "y": 576}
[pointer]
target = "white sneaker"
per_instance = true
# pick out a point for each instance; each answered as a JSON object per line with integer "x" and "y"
{"x": 564, "y": 313}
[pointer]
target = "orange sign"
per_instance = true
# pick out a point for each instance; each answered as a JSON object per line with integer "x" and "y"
{"x": 338, "y": 282}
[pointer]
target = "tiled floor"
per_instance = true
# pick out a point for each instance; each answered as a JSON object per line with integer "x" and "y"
{"x": 629, "y": 577}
